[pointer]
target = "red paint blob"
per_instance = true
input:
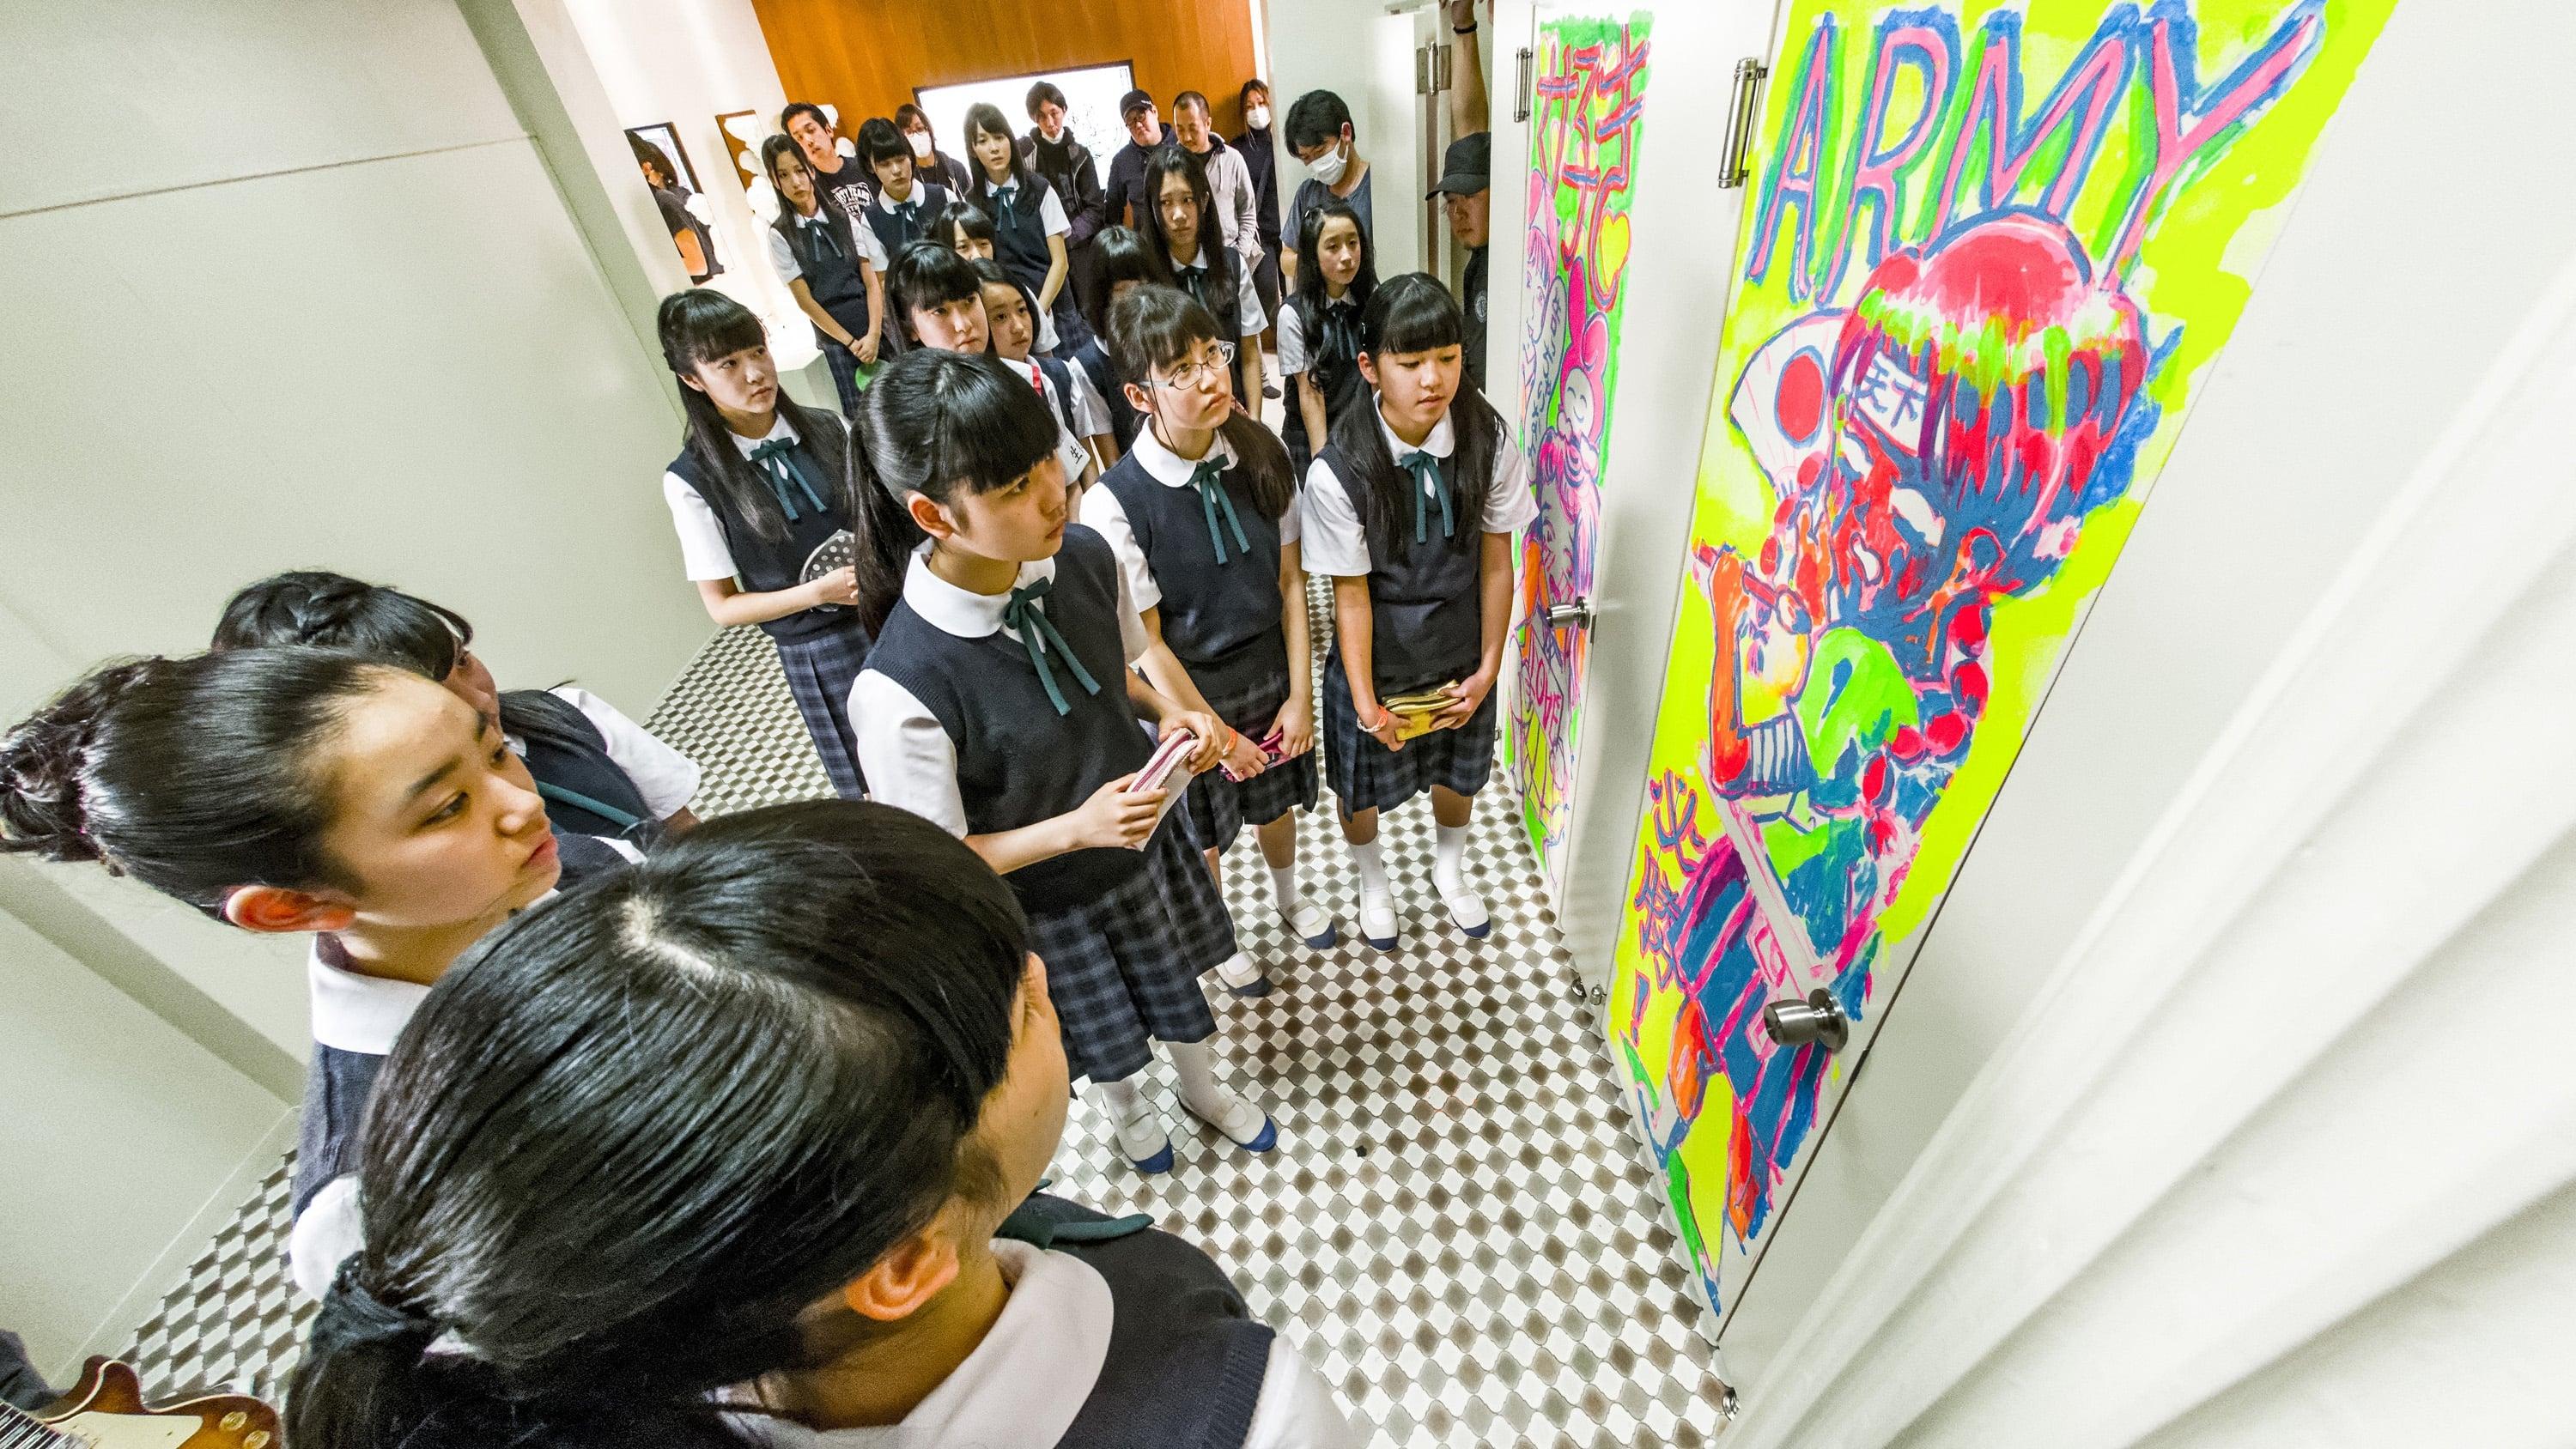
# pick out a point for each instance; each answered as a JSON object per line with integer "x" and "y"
{"x": 1906, "y": 744}
{"x": 1947, "y": 732}
{"x": 1969, "y": 682}
{"x": 1802, "y": 397}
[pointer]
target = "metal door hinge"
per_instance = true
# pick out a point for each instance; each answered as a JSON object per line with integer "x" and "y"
{"x": 1521, "y": 93}
{"x": 1735, "y": 161}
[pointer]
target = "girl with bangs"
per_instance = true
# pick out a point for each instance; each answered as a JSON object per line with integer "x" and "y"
{"x": 1202, "y": 514}
{"x": 756, "y": 496}
{"x": 1183, "y": 223}
{"x": 1123, "y": 260}
{"x": 1410, "y": 509}
{"x": 1028, "y": 221}
{"x": 1000, "y": 702}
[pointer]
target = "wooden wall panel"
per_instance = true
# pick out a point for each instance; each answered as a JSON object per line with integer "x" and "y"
{"x": 866, "y": 56}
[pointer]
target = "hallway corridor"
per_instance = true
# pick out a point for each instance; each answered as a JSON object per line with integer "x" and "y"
{"x": 1458, "y": 1229}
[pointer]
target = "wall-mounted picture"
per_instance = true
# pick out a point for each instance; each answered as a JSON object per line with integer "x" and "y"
{"x": 742, "y": 132}
{"x": 1091, "y": 106}
{"x": 665, "y": 164}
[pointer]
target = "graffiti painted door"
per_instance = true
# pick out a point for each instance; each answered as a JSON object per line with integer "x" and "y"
{"x": 1588, "y": 119}
{"x": 1991, "y": 247}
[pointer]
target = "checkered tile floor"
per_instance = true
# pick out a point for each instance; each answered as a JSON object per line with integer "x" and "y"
{"x": 1458, "y": 1228}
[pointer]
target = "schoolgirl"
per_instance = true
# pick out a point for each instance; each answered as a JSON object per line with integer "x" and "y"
{"x": 1028, "y": 220}
{"x": 1125, "y": 259}
{"x": 755, "y": 493}
{"x": 612, "y": 790}
{"x": 1202, "y": 515}
{"x": 1410, "y": 509}
{"x": 1184, "y": 227}
{"x": 1010, "y": 315}
{"x": 818, "y": 1032}
{"x": 296, "y": 791}
{"x": 905, "y": 202}
{"x": 999, "y": 703}
{"x": 1319, "y": 330}
{"x": 938, "y": 298}
{"x": 963, "y": 228}
{"x": 834, "y": 268}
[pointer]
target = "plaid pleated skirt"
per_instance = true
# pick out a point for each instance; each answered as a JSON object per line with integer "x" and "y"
{"x": 1216, "y": 808}
{"x": 1366, "y": 775}
{"x": 1123, "y": 969}
{"x": 820, "y": 669}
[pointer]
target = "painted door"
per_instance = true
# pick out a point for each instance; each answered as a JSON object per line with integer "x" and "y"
{"x": 1990, "y": 250}
{"x": 1588, "y": 119}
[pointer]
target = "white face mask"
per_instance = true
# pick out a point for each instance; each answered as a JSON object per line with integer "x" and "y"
{"x": 1257, "y": 117}
{"x": 1328, "y": 168}
{"x": 920, "y": 144}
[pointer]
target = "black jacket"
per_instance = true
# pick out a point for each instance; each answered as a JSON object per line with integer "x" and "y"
{"x": 1077, "y": 186}
{"x": 1128, "y": 203}
{"x": 1263, "y": 163}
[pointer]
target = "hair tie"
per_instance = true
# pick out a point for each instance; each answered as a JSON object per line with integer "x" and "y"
{"x": 351, "y": 1316}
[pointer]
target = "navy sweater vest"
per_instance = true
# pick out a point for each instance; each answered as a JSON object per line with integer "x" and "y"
{"x": 1222, "y": 620}
{"x": 1425, "y": 605}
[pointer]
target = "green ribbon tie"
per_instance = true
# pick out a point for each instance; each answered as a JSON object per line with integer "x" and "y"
{"x": 622, "y": 819}
{"x": 1026, "y": 614}
{"x": 777, "y": 462}
{"x": 1427, "y": 485}
{"x": 1209, "y": 479}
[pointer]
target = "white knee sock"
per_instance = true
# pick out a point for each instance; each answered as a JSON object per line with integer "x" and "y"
{"x": 1373, "y": 880}
{"x": 1283, "y": 888}
{"x": 1121, "y": 1097}
{"x": 1448, "y": 850}
{"x": 1194, "y": 1063}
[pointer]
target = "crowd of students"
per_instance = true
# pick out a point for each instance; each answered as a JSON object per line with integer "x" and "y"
{"x": 738, "y": 1136}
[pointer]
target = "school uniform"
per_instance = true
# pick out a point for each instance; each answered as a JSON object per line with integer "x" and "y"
{"x": 819, "y": 649}
{"x": 894, "y": 225}
{"x": 1193, "y": 544}
{"x": 1426, "y": 616}
{"x": 1116, "y": 1336}
{"x": 1094, "y": 363}
{"x": 1053, "y": 380}
{"x": 978, "y": 727}
{"x": 1219, "y": 281}
{"x": 1328, "y": 354}
{"x": 1312, "y": 193}
{"x": 829, "y": 254}
{"x": 602, "y": 775}
{"x": 1230, "y": 187}
{"x": 1021, "y": 226}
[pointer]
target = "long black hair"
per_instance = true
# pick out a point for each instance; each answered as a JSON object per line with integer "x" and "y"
{"x": 1415, "y": 313}
{"x": 635, "y": 1136}
{"x": 1032, "y": 193}
{"x": 1157, "y": 327}
{"x": 939, "y": 424}
{"x": 1214, "y": 254}
{"x": 1122, "y": 254}
{"x": 1309, "y": 298}
{"x": 316, "y": 608}
{"x": 194, "y": 775}
{"x": 926, "y": 276}
{"x": 702, "y": 325}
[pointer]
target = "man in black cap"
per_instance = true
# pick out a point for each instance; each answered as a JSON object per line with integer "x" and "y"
{"x": 1464, "y": 177}
{"x": 1146, "y": 134}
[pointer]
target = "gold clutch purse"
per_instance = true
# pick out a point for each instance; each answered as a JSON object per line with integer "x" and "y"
{"x": 1413, "y": 712}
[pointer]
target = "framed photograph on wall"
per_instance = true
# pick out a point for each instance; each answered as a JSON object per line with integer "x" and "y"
{"x": 1091, "y": 95}
{"x": 663, "y": 137}
{"x": 743, "y": 132}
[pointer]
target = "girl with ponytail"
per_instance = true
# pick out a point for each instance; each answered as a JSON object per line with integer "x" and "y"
{"x": 741, "y": 1148}
{"x": 755, "y": 498}
{"x": 610, "y": 787}
{"x": 290, "y": 791}
{"x": 1202, "y": 514}
{"x": 1000, "y": 703}
{"x": 1410, "y": 508}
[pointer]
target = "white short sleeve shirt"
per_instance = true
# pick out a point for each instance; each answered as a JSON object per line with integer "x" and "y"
{"x": 1337, "y": 543}
{"x": 1106, "y": 516}
{"x": 704, "y": 554}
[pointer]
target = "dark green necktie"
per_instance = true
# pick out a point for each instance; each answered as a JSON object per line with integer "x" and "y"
{"x": 1427, "y": 485}
{"x": 823, "y": 234}
{"x": 1026, "y": 614}
{"x": 1209, "y": 479}
{"x": 777, "y": 462}
{"x": 1194, "y": 281}
{"x": 622, "y": 819}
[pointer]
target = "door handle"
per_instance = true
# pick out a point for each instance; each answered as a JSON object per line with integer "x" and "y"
{"x": 1819, "y": 1018}
{"x": 1574, "y": 615}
